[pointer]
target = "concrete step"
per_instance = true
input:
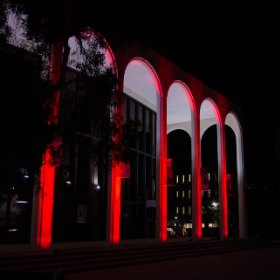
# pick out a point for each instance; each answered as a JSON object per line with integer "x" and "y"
{"x": 146, "y": 260}
{"x": 79, "y": 261}
{"x": 103, "y": 254}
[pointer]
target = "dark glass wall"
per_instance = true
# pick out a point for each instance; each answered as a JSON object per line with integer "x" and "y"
{"x": 15, "y": 212}
{"x": 80, "y": 195}
{"x": 138, "y": 192}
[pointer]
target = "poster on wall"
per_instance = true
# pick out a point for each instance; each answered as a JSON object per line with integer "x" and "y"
{"x": 125, "y": 170}
{"x": 230, "y": 190}
{"x": 204, "y": 179}
{"x": 171, "y": 175}
{"x": 81, "y": 214}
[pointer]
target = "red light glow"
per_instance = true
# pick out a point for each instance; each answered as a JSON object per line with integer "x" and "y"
{"x": 115, "y": 207}
{"x": 45, "y": 213}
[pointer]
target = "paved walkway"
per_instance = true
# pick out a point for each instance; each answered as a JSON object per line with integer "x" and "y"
{"x": 254, "y": 264}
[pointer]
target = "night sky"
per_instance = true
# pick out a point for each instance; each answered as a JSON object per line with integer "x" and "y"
{"x": 234, "y": 50}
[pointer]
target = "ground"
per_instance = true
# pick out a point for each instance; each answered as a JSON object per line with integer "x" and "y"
{"x": 252, "y": 264}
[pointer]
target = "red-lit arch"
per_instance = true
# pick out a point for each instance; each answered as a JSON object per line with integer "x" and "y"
{"x": 195, "y": 147}
{"x": 221, "y": 168}
{"x": 161, "y": 166}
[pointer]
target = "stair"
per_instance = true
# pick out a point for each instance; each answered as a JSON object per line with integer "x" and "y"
{"x": 94, "y": 259}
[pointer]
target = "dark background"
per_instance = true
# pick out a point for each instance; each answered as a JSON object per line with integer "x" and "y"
{"x": 233, "y": 49}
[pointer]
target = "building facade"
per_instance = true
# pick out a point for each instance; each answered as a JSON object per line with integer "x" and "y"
{"x": 85, "y": 203}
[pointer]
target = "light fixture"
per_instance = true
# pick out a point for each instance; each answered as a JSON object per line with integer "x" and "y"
{"x": 68, "y": 182}
{"x": 25, "y": 176}
{"x": 98, "y": 187}
{"x": 22, "y": 201}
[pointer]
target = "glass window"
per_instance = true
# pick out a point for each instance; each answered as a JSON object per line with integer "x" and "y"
{"x": 189, "y": 210}
{"x": 177, "y": 193}
{"x": 190, "y": 178}
{"x": 124, "y": 110}
{"x": 154, "y": 134}
{"x": 83, "y": 166}
{"x": 154, "y": 180}
{"x": 177, "y": 210}
{"x": 140, "y": 129}
{"x": 189, "y": 225}
{"x": 209, "y": 193}
{"x": 203, "y": 225}
{"x": 149, "y": 178}
{"x": 189, "y": 194}
{"x": 177, "y": 179}
{"x": 183, "y": 210}
{"x": 133, "y": 176}
{"x": 183, "y": 179}
{"x": 141, "y": 179}
{"x": 209, "y": 176}
{"x": 183, "y": 194}
{"x": 148, "y": 134}
{"x": 132, "y": 110}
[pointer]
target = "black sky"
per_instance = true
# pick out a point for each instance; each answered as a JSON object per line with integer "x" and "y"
{"x": 235, "y": 50}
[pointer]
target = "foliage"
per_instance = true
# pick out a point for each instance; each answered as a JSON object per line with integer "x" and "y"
{"x": 27, "y": 109}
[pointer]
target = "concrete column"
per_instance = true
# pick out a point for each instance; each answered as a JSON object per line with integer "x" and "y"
{"x": 47, "y": 180}
{"x": 222, "y": 180}
{"x": 113, "y": 207}
{"x": 161, "y": 188}
{"x": 196, "y": 177}
{"x": 114, "y": 188}
{"x": 242, "y": 199}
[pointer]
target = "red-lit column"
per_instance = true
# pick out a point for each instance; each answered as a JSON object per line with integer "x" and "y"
{"x": 114, "y": 199}
{"x": 196, "y": 178}
{"x": 45, "y": 213}
{"x": 161, "y": 188}
{"x": 114, "y": 207}
{"x": 223, "y": 223}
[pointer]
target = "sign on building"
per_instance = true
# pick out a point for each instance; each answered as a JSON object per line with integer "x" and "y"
{"x": 204, "y": 179}
{"x": 230, "y": 185}
{"x": 171, "y": 175}
{"x": 125, "y": 170}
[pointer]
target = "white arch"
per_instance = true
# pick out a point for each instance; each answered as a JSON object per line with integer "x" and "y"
{"x": 193, "y": 128}
{"x": 233, "y": 122}
{"x": 161, "y": 209}
{"x": 223, "y": 221}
